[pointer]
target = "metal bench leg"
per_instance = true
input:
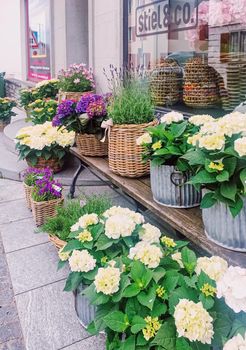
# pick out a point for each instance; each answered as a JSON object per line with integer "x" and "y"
{"x": 75, "y": 177}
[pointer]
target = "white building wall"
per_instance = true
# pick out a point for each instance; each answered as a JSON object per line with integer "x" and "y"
{"x": 105, "y": 37}
{"x": 10, "y": 38}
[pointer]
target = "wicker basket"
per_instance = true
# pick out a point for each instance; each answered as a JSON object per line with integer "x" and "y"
{"x": 46, "y": 209}
{"x": 54, "y": 164}
{"x": 28, "y": 192}
{"x": 4, "y": 123}
{"x": 58, "y": 243}
{"x": 89, "y": 145}
{"x": 125, "y": 157}
{"x": 71, "y": 95}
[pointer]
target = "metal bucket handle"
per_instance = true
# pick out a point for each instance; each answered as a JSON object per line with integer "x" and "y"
{"x": 183, "y": 178}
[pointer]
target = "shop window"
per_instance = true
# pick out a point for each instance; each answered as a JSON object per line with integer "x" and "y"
{"x": 206, "y": 39}
{"x": 38, "y": 39}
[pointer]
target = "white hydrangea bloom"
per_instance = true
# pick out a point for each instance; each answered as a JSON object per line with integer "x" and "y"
{"x": 75, "y": 227}
{"x": 200, "y": 119}
{"x": 88, "y": 219}
{"x": 150, "y": 233}
{"x": 119, "y": 225}
{"x": 63, "y": 256}
{"x": 232, "y": 287}
{"x": 215, "y": 267}
{"x": 193, "y": 321}
{"x": 178, "y": 258}
{"x": 171, "y": 117}
{"x": 81, "y": 261}
{"x": 144, "y": 139}
{"x": 149, "y": 254}
{"x": 240, "y": 146}
{"x": 107, "y": 280}
{"x": 236, "y": 343}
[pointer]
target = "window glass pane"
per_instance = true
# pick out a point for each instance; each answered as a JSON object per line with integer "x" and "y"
{"x": 38, "y": 31}
{"x": 198, "y": 46}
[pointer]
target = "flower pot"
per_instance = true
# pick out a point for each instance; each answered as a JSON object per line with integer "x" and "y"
{"x": 28, "y": 192}
{"x": 224, "y": 230}
{"x": 89, "y": 145}
{"x": 84, "y": 310}
{"x": 53, "y": 163}
{"x": 169, "y": 187}
{"x": 58, "y": 243}
{"x": 4, "y": 123}
{"x": 124, "y": 155}
{"x": 69, "y": 95}
{"x": 46, "y": 209}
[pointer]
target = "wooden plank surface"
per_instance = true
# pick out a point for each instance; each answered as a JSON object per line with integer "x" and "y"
{"x": 186, "y": 221}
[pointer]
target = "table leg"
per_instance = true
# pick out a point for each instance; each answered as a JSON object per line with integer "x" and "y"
{"x": 75, "y": 177}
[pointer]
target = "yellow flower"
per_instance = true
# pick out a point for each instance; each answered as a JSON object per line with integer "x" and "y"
{"x": 157, "y": 145}
{"x": 193, "y": 140}
{"x": 38, "y": 100}
{"x": 168, "y": 242}
{"x": 63, "y": 255}
{"x": 208, "y": 290}
{"x": 160, "y": 291}
{"x": 152, "y": 326}
{"x": 216, "y": 166}
{"x": 38, "y": 110}
{"x": 50, "y": 110}
{"x": 85, "y": 236}
{"x": 104, "y": 259}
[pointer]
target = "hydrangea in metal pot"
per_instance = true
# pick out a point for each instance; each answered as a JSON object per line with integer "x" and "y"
{"x": 164, "y": 145}
{"x": 219, "y": 160}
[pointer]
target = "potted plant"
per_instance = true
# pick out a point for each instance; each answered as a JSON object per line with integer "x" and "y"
{"x": 75, "y": 81}
{"x": 131, "y": 111}
{"x": 41, "y": 111}
{"x": 46, "y": 197}
{"x": 29, "y": 180}
{"x": 219, "y": 160}
{"x": 44, "y": 145}
{"x": 6, "y": 106}
{"x": 164, "y": 146}
{"x": 85, "y": 118}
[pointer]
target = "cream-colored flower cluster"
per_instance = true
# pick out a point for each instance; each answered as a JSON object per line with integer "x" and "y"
{"x": 63, "y": 256}
{"x": 238, "y": 342}
{"x": 84, "y": 236}
{"x": 178, "y": 258}
{"x": 215, "y": 267}
{"x": 232, "y": 287}
{"x": 200, "y": 119}
{"x": 144, "y": 139}
{"x": 240, "y": 146}
{"x": 81, "y": 261}
{"x": 85, "y": 221}
{"x": 193, "y": 321}
{"x": 137, "y": 218}
{"x": 46, "y": 82}
{"x": 172, "y": 117}
{"x": 119, "y": 225}
{"x": 42, "y": 135}
{"x": 150, "y": 234}
{"x": 149, "y": 254}
{"x": 107, "y": 280}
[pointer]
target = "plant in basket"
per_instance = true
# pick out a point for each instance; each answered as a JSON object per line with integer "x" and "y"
{"x": 47, "y": 89}
{"x": 46, "y": 197}
{"x": 44, "y": 145}
{"x": 29, "y": 180}
{"x": 218, "y": 157}
{"x": 6, "y": 112}
{"x": 27, "y": 97}
{"x": 41, "y": 111}
{"x": 164, "y": 145}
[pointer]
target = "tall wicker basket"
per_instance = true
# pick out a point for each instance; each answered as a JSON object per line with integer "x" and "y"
{"x": 125, "y": 157}
{"x": 46, "y": 209}
{"x": 89, "y": 145}
{"x": 53, "y": 163}
{"x": 28, "y": 192}
{"x": 63, "y": 95}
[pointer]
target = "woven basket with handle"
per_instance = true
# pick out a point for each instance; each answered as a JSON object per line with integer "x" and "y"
{"x": 58, "y": 243}
{"x": 63, "y": 95}
{"x": 4, "y": 123}
{"x": 46, "y": 209}
{"x": 53, "y": 163}
{"x": 28, "y": 192}
{"x": 89, "y": 145}
{"x": 125, "y": 156}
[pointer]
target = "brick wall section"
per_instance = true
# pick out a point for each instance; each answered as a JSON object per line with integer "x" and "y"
{"x": 13, "y": 86}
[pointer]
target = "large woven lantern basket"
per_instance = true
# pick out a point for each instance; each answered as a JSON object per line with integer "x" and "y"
{"x": 44, "y": 210}
{"x": 90, "y": 145}
{"x": 125, "y": 156}
{"x": 66, "y": 95}
{"x": 54, "y": 164}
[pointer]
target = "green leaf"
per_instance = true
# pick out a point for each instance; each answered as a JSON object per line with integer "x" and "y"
{"x": 90, "y": 275}
{"x": 230, "y": 165}
{"x": 73, "y": 281}
{"x": 222, "y": 326}
{"x": 208, "y": 200}
{"x": 124, "y": 283}
{"x": 189, "y": 259}
{"x": 129, "y": 343}
{"x": 195, "y": 157}
{"x": 72, "y": 245}
{"x": 203, "y": 278}
{"x": 159, "y": 308}
{"x": 94, "y": 297}
{"x": 203, "y": 177}
{"x": 148, "y": 299}
{"x": 207, "y": 302}
{"x": 131, "y": 291}
{"x": 237, "y": 207}
{"x": 178, "y": 129}
{"x": 117, "y": 321}
{"x": 138, "y": 323}
{"x": 229, "y": 190}
{"x": 223, "y": 176}
{"x": 181, "y": 293}
{"x": 171, "y": 280}
{"x": 104, "y": 242}
{"x": 166, "y": 336}
{"x": 182, "y": 344}
{"x": 141, "y": 340}
{"x": 191, "y": 281}
{"x": 243, "y": 178}
{"x": 158, "y": 273}
{"x": 61, "y": 264}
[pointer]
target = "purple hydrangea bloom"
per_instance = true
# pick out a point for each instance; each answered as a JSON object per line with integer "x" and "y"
{"x": 66, "y": 108}
{"x": 56, "y": 121}
{"x": 96, "y": 109}
{"x": 85, "y": 100}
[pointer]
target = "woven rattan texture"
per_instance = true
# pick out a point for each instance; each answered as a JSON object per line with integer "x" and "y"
{"x": 89, "y": 145}
{"x": 28, "y": 192}
{"x": 58, "y": 243}
{"x": 54, "y": 164}
{"x": 44, "y": 210}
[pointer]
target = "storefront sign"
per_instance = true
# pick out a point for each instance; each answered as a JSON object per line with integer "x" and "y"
{"x": 164, "y": 15}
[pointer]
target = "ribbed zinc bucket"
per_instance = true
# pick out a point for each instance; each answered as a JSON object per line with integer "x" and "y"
{"x": 224, "y": 230}
{"x": 85, "y": 311}
{"x": 169, "y": 187}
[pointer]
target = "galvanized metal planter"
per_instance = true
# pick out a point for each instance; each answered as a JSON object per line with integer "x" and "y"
{"x": 224, "y": 230}
{"x": 85, "y": 311}
{"x": 169, "y": 187}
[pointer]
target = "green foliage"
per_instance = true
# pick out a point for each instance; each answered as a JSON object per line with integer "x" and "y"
{"x": 41, "y": 111}
{"x": 131, "y": 104}
{"x": 6, "y": 106}
{"x": 76, "y": 79}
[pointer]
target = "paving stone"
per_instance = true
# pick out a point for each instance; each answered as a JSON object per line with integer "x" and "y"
{"x": 16, "y": 344}
{"x": 14, "y": 211}
{"x": 92, "y": 343}
{"x": 21, "y": 234}
{"x": 34, "y": 267}
{"x": 11, "y": 190}
{"x": 10, "y": 331}
{"x": 48, "y": 319}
